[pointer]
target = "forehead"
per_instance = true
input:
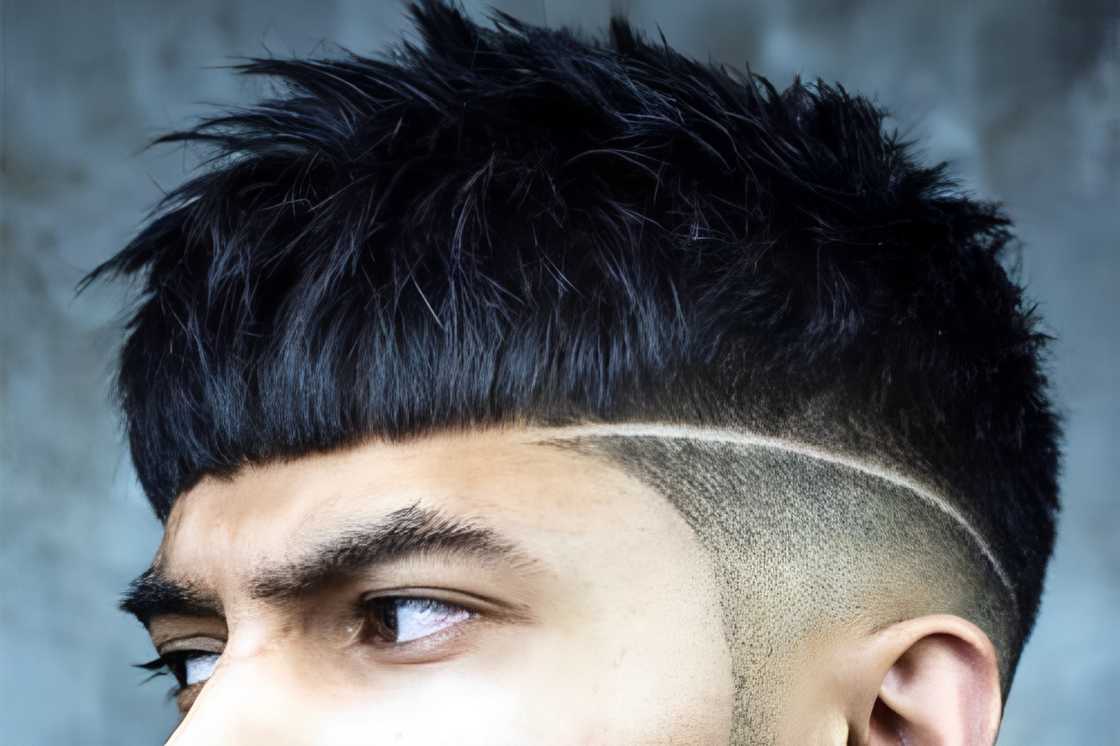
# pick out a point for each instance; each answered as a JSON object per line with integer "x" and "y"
{"x": 551, "y": 497}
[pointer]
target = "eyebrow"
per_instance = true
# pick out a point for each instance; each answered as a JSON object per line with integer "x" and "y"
{"x": 154, "y": 594}
{"x": 405, "y": 533}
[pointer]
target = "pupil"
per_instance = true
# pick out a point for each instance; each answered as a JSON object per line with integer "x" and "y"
{"x": 179, "y": 671}
{"x": 388, "y": 618}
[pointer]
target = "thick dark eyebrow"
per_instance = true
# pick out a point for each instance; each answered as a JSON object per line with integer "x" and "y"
{"x": 358, "y": 547}
{"x": 403, "y": 533}
{"x": 154, "y": 594}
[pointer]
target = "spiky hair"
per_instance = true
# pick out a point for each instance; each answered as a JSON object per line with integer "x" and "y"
{"x": 520, "y": 224}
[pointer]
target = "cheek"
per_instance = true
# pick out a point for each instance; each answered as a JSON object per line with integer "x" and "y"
{"x": 546, "y": 689}
{"x": 467, "y": 708}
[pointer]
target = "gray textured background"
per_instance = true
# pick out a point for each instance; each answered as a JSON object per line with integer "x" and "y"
{"x": 1022, "y": 97}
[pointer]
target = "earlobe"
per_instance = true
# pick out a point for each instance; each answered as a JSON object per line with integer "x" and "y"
{"x": 938, "y": 685}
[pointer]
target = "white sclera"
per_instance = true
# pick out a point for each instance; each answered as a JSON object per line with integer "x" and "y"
{"x": 200, "y": 667}
{"x": 418, "y": 618}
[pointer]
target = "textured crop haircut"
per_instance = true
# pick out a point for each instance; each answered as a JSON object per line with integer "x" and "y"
{"x": 520, "y": 225}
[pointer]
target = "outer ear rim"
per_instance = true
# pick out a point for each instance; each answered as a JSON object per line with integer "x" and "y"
{"x": 887, "y": 646}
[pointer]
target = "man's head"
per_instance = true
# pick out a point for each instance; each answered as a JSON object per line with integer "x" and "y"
{"x": 637, "y": 401}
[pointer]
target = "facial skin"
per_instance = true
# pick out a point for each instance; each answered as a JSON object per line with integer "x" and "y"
{"x": 573, "y": 604}
{"x": 615, "y": 638}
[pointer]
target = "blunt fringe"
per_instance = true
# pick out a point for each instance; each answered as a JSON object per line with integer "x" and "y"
{"x": 519, "y": 224}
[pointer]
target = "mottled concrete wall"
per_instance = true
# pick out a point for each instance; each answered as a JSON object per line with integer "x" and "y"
{"x": 1023, "y": 97}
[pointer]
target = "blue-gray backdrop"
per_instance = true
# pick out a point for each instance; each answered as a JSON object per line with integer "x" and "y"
{"x": 1022, "y": 96}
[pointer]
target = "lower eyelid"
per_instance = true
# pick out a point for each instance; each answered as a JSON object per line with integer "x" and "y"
{"x": 185, "y": 697}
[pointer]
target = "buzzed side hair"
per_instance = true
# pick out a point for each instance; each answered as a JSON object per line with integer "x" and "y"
{"x": 521, "y": 224}
{"x": 806, "y": 545}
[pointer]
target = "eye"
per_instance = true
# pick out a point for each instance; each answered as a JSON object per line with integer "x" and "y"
{"x": 396, "y": 620}
{"x": 189, "y": 667}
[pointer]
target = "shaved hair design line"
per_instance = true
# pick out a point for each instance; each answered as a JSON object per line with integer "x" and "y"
{"x": 754, "y": 440}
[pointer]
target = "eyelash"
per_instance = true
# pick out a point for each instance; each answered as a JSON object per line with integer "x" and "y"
{"x": 175, "y": 663}
{"x": 368, "y": 608}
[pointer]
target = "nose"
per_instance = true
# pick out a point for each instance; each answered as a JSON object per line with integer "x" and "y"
{"x": 245, "y": 701}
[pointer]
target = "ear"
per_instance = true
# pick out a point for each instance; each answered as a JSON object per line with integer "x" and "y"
{"x": 933, "y": 680}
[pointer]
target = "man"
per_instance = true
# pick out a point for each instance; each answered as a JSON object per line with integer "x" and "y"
{"x": 519, "y": 388}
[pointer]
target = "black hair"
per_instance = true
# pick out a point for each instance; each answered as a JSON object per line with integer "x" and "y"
{"x": 521, "y": 224}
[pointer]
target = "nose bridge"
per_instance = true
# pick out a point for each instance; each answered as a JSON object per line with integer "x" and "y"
{"x": 240, "y": 704}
